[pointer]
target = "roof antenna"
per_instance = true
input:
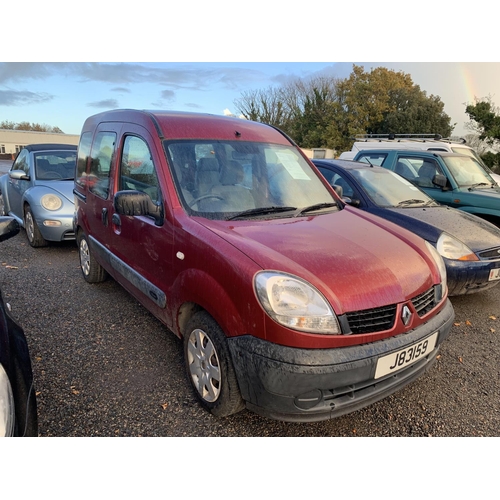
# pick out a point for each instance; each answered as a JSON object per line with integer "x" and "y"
{"x": 237, "y": 134}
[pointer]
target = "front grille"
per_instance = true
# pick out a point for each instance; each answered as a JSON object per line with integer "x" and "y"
{"x": 382, "y": 318}
{"x": 372, "y": 320}
{"x": 424, "y": 302}
{"x": 493, "y": 254}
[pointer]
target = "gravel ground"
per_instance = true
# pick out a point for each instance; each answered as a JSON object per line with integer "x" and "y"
{"x": 105, "y": 367}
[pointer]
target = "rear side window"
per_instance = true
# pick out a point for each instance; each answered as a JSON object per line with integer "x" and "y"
{"x": 373, "y": 158}
{"x": 102, "y": 155}
{"x": 83, "y": 154}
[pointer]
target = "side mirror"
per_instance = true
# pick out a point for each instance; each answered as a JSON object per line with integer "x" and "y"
{"x": 440, "y": 180}
{"x": 19, "y": 175}
{"x": 8, "y": 227}
{"x": 354, "y": 202}
{"x": 137, "y": 203}
{"x": 338, "y": 189}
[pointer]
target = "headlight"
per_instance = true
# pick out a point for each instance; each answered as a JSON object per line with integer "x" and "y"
{"x": 6, "y": 405}
{"x": 51, "y": 202}
{"x": 451, "y": 248}
{"x": 294, "y": 303}
{"x": 442, "y": 269}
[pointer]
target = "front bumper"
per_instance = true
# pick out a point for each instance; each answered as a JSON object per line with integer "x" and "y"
{"x": 465, "y": 277}
{"x": 62, "y": 232}
{"x": 307, "y": 385}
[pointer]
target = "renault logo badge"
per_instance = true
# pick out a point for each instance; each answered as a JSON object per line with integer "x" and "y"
{"x": 406, "y": 315}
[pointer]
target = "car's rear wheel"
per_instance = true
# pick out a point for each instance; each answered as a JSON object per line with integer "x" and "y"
{"x": 209, "y": 366}
{"x": 34, "y": 235}
{"x": 92, "y": 271}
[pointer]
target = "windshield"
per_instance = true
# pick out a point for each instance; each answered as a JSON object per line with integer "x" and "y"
{"x": 222, "y": 179}
{"x": 55, "y": 165}
{"x": 387, "y": 189}
{"x": 467, "y": 171}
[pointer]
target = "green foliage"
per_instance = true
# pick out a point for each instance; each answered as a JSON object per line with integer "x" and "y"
{"x": 31, "y": 127}
{"x": 486, "y": 118}
{"x": 329, "y": 112}
{"x": 492, "y": 160}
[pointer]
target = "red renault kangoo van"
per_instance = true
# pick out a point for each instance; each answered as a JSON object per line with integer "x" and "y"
{"x": 289, "y": 302}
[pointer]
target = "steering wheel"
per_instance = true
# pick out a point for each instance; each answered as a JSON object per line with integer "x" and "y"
{"x": 204, "y": 197}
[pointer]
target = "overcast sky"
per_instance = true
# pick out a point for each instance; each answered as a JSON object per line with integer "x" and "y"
{"x": 264, "y": 45}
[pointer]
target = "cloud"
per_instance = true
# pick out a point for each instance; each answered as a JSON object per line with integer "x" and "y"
{"x": 193, "y": 105}
{"x": 169, "y": 95}
{"x": 105, "y": 103}
{"x": 120, "y": 89}
{"x": 174, "y": 76}
{"x": 22, "y": 98}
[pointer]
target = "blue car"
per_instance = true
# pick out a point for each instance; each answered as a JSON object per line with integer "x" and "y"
{"x": 469, "y": 245}
{"x": 38, "y": 192}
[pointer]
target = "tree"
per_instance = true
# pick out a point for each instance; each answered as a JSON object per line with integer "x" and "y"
{"x": 328, "y": 112}
{"x": 485, "y": 119}
{"x": 27, "y": 126}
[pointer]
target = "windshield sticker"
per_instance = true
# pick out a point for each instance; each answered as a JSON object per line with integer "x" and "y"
{"x": 292, "y": 166}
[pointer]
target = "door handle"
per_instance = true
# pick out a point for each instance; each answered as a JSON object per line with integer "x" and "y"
{"x": 115, "y": 219}
{"x": 104, "y": 217}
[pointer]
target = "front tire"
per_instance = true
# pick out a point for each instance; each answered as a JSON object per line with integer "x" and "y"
{"x": 209, "y": 366}
{"x": 92, "y": 271}
{"x": 35, "y": 238}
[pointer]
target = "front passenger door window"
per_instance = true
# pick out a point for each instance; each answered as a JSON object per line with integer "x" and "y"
{"x": 137, "y": 171}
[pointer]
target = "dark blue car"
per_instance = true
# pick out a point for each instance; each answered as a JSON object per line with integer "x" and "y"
{"x": 469, "y": 245}
{"x": 18, "y": 412}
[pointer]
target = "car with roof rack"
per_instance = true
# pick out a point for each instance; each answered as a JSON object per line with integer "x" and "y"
{"x": 223, "y": 230}
{"x": 424, "y": 142}
{"x": 452, "y": 179}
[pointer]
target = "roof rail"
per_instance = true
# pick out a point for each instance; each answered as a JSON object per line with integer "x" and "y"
{"x": 405, "y": 137}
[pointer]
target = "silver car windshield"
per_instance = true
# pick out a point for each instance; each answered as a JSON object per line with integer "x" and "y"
{"x": 229, "y": 179}
{"x": 387, "y": 189}
{"x": 468, "y": 172}
{"x": 55, "y": 165}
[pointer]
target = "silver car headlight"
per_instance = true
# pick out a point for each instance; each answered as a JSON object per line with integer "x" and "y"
{"x": 7, "y": 414}
{"x": 441, "y": 267}
{"x": 51, "y": 202}
{"x": 294, "y": 303}
{"x": 452, "y": 248}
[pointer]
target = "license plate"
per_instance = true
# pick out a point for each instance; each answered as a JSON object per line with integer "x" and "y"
{"x": 405, "y": 357}
{"x": 494, "y": 274}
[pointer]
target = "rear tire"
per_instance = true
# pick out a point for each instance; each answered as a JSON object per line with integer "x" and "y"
{"x": 209, "y": 366}
{"x": 92, "y": 271}
{"x": 35, "y": 238}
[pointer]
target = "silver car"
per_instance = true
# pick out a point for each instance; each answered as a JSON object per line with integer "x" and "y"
{"x": 38, "y": 192}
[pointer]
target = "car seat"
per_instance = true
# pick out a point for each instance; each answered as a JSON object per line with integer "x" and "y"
{"x": 426, "y": 173}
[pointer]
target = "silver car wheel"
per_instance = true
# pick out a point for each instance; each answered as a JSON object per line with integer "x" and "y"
{"x": 29, "y": 225}
{"x": 84, "y": 256}
{"x": 204, "y": 366}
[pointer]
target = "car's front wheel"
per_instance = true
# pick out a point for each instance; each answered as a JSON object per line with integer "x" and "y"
{"x": 34, "y": 235}
{"x": 209, "y": 366}
{"x": 92, "y": 271}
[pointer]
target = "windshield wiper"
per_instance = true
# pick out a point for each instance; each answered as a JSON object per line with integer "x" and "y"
{"x": 255, "y": 212}
{"x": 317, "y": 206}
{"x": 413, "y": 201}
{"x": 480, "y": 184}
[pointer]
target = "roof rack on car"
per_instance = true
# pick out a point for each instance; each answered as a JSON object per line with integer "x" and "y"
{"x": 405, "y": 137}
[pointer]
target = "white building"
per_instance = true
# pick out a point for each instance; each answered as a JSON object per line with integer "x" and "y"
{"x": 11, "y": 141}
